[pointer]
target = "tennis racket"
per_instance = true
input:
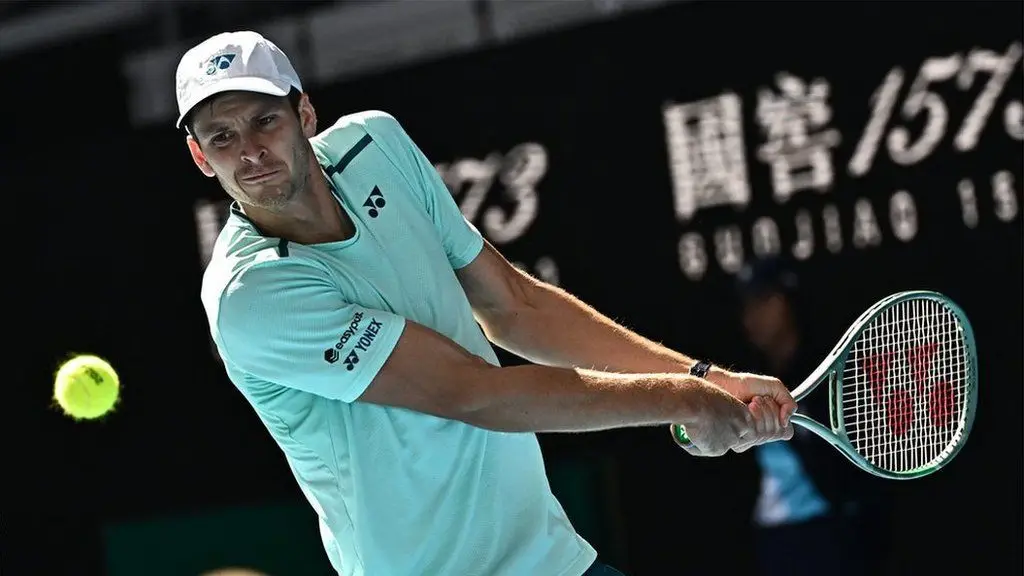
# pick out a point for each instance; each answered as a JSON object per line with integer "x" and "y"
{"x": 903, "y": 387}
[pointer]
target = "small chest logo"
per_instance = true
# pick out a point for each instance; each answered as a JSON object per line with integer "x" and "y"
{"x": 375, "y": 203}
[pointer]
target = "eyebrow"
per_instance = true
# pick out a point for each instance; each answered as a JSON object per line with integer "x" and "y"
{"x": 262, "y": 107}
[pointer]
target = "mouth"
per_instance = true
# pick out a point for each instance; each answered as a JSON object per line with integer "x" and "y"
{"x": 260, "y": 177}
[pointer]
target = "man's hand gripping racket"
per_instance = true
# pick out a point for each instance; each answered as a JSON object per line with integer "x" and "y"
{"x": 903, "y": 387}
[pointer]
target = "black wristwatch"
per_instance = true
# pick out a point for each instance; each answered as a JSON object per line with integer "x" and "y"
{"x": 700, "y": 369}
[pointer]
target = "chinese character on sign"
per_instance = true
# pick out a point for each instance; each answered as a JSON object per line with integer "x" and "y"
{"x": 799, "y": 145}
{"x": 705, "y": 147}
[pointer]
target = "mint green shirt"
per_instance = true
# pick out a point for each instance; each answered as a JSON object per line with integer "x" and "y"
{"x": 303, "y": 330}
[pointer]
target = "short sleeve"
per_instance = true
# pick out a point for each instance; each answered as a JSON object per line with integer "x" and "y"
{"x": 462, "y": 241}
{"x": 286, "y": 323}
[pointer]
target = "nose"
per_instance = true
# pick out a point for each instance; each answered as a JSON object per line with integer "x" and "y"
{"x": 252, "y": 151}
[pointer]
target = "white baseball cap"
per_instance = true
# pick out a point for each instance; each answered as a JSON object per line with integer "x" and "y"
{"x": 232, "y": 61}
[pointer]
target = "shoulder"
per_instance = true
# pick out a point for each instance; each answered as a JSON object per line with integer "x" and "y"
{"x": 245, "y": 265}
{"x": 367, "y": 121}
{"x": 352, "y": 127}
{"x": 354, "y": 131}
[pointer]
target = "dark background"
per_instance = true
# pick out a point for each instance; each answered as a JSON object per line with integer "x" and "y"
{"x": 104, "y": 257}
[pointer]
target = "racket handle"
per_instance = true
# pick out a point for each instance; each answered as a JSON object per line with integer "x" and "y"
{"x": 679, "y": 435}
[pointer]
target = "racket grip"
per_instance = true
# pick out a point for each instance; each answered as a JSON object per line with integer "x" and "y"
{"x": 679, "y": 435}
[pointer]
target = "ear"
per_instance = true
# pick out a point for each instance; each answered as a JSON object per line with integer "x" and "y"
{"x": 198, "y": 157}
{"x": 307, "y": 116}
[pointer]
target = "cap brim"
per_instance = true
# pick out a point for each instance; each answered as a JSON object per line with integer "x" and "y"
{"x": 242, "y": 83}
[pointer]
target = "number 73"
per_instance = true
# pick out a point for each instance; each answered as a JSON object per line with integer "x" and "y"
{"x": 923, "y": 101}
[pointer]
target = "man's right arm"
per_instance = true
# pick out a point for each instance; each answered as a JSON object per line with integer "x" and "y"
{"x": 282, "y": 322}
{"x": 429, "y": 373}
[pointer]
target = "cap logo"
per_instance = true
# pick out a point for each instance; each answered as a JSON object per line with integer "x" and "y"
{"x": 219, "y": 62}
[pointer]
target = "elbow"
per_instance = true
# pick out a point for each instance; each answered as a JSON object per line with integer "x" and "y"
{"x": 481, "y": 400}
{"x": 498, "y": 326}
{"x": 511, "y": 326}
{"x": 465, "y": 397}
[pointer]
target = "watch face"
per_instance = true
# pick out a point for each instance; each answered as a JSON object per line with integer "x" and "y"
{"x": 700, "y": 369}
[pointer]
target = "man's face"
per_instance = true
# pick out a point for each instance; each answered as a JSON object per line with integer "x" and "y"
{"x": 766, "y": 317}
{"x": 255, "y": 146}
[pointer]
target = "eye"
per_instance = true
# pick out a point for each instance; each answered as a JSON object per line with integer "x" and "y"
{"x": 221, "y": 139}
{"x": 267, "y": 120}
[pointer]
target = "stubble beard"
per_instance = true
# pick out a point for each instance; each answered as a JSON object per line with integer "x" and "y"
{"x": 297, "y": 185}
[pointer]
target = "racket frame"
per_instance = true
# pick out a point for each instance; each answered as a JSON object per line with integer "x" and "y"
{"x": 833, "y": 366}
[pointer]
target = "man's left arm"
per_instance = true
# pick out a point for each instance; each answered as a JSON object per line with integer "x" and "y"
{"x": 546, "y": 325}
{"x": 535, "y": 320}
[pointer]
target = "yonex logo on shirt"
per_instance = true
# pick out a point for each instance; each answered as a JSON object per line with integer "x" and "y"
{"x": 368, "y": 336}
{"x": 331, "y": 355}
{"x": 351, "y": 360}
{"x": 375, "y": 202}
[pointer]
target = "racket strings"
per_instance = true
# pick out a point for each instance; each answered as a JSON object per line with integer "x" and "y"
{"x": 905, "y": 387}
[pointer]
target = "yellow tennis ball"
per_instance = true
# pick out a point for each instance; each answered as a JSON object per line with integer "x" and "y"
{"x": 86, "y": 387}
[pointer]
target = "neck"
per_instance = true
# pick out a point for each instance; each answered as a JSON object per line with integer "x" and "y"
{"x": 312, "y": 217}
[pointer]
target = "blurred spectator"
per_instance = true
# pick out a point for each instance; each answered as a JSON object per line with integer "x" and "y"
{"x": 815, "y": 513}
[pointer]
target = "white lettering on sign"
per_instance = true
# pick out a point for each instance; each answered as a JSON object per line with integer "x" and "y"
{"x": 924, "y": 106}
{"x": 706, "y": 158}
{"x": 864, "y": 227}
{"x": 507, "y": 184}
{"x": 909, "y": 116}
{"x": 799, "y": 143}
{"x": 515, "y": 176}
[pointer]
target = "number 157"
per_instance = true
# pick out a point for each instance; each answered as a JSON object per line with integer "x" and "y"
{"x": 923, "y": 100}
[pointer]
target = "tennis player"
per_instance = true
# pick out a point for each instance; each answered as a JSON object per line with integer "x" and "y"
{"x": 354, "y": 308}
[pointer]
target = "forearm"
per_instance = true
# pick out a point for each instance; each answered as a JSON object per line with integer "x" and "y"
{"x": 555, "y": 328}
{"x": 545, "y": 399}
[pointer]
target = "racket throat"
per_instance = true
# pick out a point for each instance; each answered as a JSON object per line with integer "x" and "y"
{"x": 835, "y": 400}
